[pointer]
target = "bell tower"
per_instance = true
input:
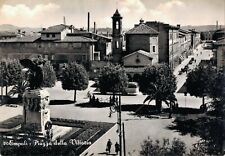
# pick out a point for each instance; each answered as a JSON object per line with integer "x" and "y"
{"x": 117, "y": 40}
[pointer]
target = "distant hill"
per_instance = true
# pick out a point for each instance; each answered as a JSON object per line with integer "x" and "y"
{"x": 201, "y": 28}
{"x": 13, "y": 28}
{"x": 8, "y": 27}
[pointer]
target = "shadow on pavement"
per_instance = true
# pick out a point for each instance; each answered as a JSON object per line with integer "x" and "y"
{"x": 60, "y": 102}
{"x": 94, "y": 105}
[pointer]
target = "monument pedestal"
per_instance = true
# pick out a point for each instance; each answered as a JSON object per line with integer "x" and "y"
{"x": 36, "y": 113}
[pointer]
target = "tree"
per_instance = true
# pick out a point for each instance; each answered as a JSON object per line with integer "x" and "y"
{"x": 166, "y": 148}
{"x": 10, "y": 73}
{"x": 112, "y": 79}
{"x": 199, "y": 81}
{"x": 74, "y": 77}
{"x": 159, "y": 83}
{"x": 217, "y": 93}
{"x": 49, "y": 75}
{"x": 14, "y": 74}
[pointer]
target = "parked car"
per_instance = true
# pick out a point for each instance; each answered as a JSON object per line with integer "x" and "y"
{"x": 132, "y": 88}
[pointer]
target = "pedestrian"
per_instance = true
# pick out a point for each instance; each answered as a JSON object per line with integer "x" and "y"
{"x": 117, "y": 147}
{"x": 108, "y": 146}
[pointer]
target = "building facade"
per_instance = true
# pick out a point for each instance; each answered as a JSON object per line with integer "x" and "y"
{"x": 220, "y": 54}
{"x": 59, "y": 44}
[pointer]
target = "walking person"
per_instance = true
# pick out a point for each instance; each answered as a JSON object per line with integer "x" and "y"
{"x": 117, "y": 148}
{"x": 108, "y": 146}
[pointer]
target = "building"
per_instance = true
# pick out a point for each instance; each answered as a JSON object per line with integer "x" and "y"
{"x": 168, "y": 42}
{"x": 195, "y": 38}
{"x": 141, "y": 37}
{"x": 59, "y": 44}
{"x": 141, "y": 48}
{"x": 7, "y": 35}
{"x": 220, "y": 54}
{"x": 207, "y": 35}
{"x": 185, "y": 44}
{"x": 219, "y": 34}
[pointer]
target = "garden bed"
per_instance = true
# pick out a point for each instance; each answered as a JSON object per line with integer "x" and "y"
{"x": 89, "y": 131}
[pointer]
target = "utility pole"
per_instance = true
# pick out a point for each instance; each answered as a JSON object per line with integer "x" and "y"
{"x": 124, "y": 144}
{"x": 120, "y": 126}
{"x": 172, "y": 49}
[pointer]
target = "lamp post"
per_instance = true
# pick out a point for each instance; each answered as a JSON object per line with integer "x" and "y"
{"x": 117, "y": 108}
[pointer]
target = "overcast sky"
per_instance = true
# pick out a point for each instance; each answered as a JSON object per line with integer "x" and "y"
{"x": 43, "y": 13}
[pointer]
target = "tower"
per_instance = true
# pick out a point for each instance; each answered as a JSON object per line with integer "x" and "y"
{"x": 117, "y": 39}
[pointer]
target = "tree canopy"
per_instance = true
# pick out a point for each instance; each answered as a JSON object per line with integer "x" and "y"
{"x": 199, "y": 81}
{"x": 112, "y": 79}
{"x": 49, "y": 75}
{"x": 159, "y": 83}
{"x": 10, "y": 72}
{"x": 74, "y": 77}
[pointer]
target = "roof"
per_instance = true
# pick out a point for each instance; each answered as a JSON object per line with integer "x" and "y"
{"x": 183, "y": 31}
{"x": 142, "y": 29}
{"x": 193, "y": 31}
{"x": 134, "y": 70}
{"x": 7, "y": 34}
{"x": 222, "y": 31}
{"x": 21, "y": 39}
{"x": 142, "y": 52}
{"x": 156, "y": 23}
{"x": 116, "y": 14}
{"x": 55, "y": 29}
{"x": 89, "y": 34}
{"x": 220, "y": 42}
{"x": 76, "y": 39}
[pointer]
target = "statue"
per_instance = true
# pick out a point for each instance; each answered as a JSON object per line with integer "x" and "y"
{"x": 36, "y": 100}
{"x": 35, "y": 74}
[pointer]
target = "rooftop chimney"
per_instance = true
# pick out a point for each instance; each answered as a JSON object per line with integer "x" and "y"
{"x": 88, "y": 26}
{"x": 94, "y": 27}
{"x": 64, "y": 20}
{"x": 217, "y": 26}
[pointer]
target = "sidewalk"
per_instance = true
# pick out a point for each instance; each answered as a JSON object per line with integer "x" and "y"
{"x": 99, "y": 146}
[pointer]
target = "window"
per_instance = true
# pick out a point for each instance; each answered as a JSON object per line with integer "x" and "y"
{"x": 171, "y": 35}
{"x": 117, "y": 44}
{"x": 153, "y": 48}
{"x": 53, "y": 35}
{"x": 47, "y": 35}
{"x": 117, "y": 24}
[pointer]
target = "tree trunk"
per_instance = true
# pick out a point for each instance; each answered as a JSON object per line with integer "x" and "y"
{"x": 170, "y": 110}
{"x": 2, "y": 94}
{"x": 203, "y": 100}
{"x": 75, "y": 95}
{"x": 6, "y": 90}
{"x": 203, "y": 107}
{"x": 158, "y": 105}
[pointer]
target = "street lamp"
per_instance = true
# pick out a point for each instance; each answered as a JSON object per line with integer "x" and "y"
{"x": 117, "y": 108}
